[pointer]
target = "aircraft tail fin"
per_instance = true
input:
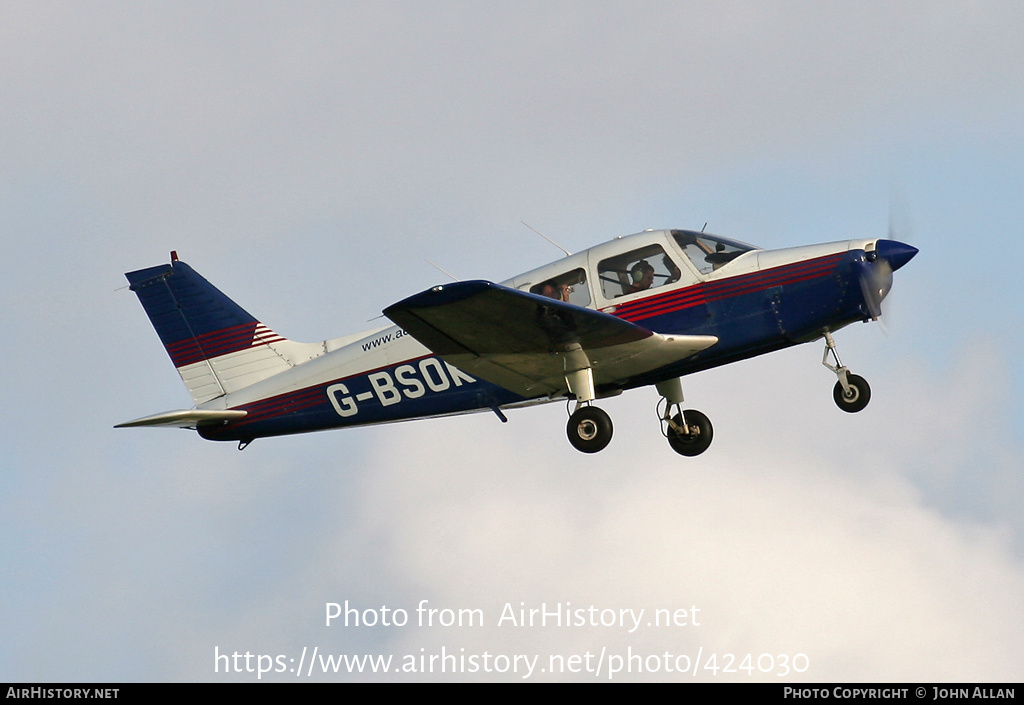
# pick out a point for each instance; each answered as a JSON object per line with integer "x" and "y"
{"x": 216, "y": 346}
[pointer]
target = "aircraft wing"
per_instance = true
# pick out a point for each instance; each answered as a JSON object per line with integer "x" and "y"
{"x": 525, "y": 342}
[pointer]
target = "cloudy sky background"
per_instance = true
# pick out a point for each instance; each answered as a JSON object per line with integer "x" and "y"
{"x": 309, "y": 157}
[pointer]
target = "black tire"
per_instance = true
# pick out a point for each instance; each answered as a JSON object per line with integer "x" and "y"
{"x": 693, "y": 443}
{"x": 858, "y": 396}
{"x": 589, "y": 429}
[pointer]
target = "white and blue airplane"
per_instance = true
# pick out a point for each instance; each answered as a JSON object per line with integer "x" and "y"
{"x": 645, "y": 309}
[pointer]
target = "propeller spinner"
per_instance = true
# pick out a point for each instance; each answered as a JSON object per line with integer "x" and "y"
{"x": 876, "y": 272}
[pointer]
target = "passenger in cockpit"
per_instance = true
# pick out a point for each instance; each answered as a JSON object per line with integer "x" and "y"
{"x": 548, "y": 289}
{"x": 554, "y": 291}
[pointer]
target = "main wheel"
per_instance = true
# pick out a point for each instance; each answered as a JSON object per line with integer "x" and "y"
{"x": 697, "y": 440}
{"x": 589, "y": 429}
{"x": 856, "y": 398}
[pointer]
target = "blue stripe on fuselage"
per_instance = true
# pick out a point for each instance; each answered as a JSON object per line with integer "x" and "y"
{"x": 416, "y": 388}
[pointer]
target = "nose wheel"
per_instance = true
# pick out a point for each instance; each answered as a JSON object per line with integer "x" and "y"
{"x": 855, "y": 396}
{"x": 589, "y": 429}
{"x": 851, "y": 392}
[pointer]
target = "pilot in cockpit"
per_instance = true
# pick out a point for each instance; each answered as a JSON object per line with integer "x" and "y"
{"x": 641, "y": 276}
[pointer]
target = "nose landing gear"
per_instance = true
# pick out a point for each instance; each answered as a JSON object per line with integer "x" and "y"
{"x": 851, "y": 392}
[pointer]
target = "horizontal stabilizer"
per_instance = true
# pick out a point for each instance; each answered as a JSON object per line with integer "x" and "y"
{"x": 185, "y": 418}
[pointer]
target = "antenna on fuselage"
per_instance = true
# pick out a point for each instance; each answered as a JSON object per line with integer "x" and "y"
{"x": 442, "y": 271}
{"x": 705, "y": 225}
{"x": 435, "y": 267}
{"x": 567, "y": 253}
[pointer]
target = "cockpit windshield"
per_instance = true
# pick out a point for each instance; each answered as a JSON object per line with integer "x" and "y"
{"x": 709, "y": 252}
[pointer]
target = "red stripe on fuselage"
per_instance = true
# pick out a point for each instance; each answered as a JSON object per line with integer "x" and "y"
{"x": 706, "y": 292}
{"x": 281, "y": 404}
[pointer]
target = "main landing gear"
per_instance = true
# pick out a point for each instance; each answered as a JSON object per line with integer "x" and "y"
{"x": 688, "y": 432}
{"x": 589, "y": 428}
{"x": 851, "y": 392}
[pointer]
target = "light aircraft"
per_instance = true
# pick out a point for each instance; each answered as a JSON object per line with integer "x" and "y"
{"x": 645, "y": 309}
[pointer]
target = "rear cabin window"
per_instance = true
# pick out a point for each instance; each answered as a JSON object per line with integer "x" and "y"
{"x": 638, "y": 270}
{"x": 570, "y": 287}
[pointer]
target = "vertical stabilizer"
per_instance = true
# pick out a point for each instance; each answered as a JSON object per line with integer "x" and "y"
{"x": 216, "y": 346}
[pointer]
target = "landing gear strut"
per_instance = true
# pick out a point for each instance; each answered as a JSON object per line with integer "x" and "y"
{"x": 688, "y": 432}
{"x": 589, "y": 428}
{"x": 851, "y": 392}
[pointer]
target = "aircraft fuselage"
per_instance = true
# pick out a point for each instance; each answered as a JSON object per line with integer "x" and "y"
{"x": 753, "y": 301}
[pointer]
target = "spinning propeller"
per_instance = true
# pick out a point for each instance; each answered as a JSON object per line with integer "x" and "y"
{"x": 877, "y": 267}
{"x": 876, "y": 271}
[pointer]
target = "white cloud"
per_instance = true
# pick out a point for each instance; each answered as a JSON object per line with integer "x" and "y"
{"x": 783, "y": 550}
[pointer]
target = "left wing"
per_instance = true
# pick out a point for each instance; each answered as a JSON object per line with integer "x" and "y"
{"x": 527, "y": 343}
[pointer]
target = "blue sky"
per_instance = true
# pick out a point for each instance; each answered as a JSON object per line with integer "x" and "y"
{"x": 309, "y": 158}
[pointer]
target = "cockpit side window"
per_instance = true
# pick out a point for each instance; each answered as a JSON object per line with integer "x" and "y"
{"x": 638, "y": 270}
{"x": 709, "y": 252}
{"x": 570, "y": 287}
